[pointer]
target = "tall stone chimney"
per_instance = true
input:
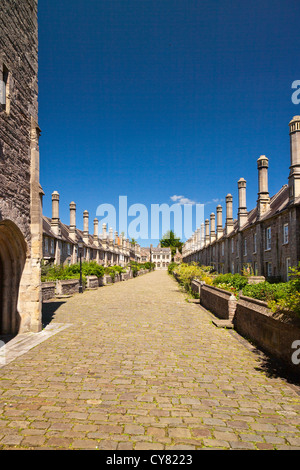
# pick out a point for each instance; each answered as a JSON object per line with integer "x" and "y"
{"x": 202, "y": 235}
{"x": 229, "y": 218}
{"x": 86, "y": 227}
{"x": 212, "y": 227}
{"x": 104, "y": 231}
{"x": 111, "y": 237}
{"x": 72, "y": 230}
{"x": 294, "y": 177}
{"x": 207, "y": 237}
{"x": 96, "y": 232}
{"x": 55, "y": 226}
{"x": 219, "y": 221}
{"x": 263, "y": 202}
{"x": 242, "y": 211}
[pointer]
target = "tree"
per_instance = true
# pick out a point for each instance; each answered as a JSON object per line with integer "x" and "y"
{"x": 169, "y": 240}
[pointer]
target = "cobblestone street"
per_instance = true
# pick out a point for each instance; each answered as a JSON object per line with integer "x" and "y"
{"x": 138, "y": 367}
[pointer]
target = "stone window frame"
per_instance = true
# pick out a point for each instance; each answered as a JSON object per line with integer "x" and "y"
{"x": 255, "y": 268}
{"x": 255, "y": 242}
{"x": 268, "y": 238}
{"x": 245, "y": 246}
{"x": 285, "y": 234}
{"x": 46, "y": 245}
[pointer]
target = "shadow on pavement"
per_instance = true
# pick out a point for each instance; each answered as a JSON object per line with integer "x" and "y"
{"x": 48, "y": 311}
{"x": 276, "y": 369}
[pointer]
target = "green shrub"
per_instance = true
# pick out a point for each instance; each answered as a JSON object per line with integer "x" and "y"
{"x": 267, "y": 292}
{"x": 187, "y": 272}
{"x": 237, "y": 281}
{"x": 171, "y": 267}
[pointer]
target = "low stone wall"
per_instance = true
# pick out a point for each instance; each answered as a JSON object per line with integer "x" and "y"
{"x": 67, "y": 287}
{"x": 92, "y": 282}
{"x": 275, "y": 336}
{"x": 256, "y": 279}
{"x": 220, "y": 302}
{"x": 48, "y": 290}
{"x": 196, "y": 286}
{"x": 126, "y": 276}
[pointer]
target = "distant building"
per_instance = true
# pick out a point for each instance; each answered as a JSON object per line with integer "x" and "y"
{"x": 265, "y": 240}
{"x": 161, "y": 257}
{"x": 145, "y": 255}
{"x": 177, "y": 257}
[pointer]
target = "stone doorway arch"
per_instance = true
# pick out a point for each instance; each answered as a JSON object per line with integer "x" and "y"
{"x": 12, "y": 260}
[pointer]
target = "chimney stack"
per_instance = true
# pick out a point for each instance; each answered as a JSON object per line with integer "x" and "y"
{"x": 294, "y": 177}
{"x": 55, "y": 227}
{"x": 202, "y": 235}
{"x": 207, "y": 232}
{"x": 96, "y": 232}
{"x": 86, "y": 227}
{"x": 104, "y": 231}
{"x": 229, "y": 218}
{"x": 242, "y": 212}
{"x": 212, "y": 227}
{"x": 72, "y": 232}
{"x": 263, "y": 202}
{"x": 219, "y": 222}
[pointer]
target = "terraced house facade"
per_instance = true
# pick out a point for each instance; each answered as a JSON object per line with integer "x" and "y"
{"x": 63, "y": 243}
{"x": 265, "y": 240}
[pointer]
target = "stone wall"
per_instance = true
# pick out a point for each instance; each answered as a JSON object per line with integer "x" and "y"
{"x": 220, "y": 302}
{"x": 48, "y": 290}
{"x": 274, "y": 335}
{"x": 67, "y": 287}
{"x": 92, "y": 282}
{"x": 20, "y": 192}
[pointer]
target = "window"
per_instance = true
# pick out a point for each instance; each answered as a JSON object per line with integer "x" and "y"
{"x": 254, "y": 243}
{"x": 52, "y": 246}
{"x": 255, "y": 269}
{"x": 285, "y": 234}
{"x": 269, "y": 269}
{"x": 232, "y": 267}
{"x": 268, "y": 238}
{"x": 46, "y": 245}
{"x": 222, "y": 248}
{"x": 4, "y": 90}
{"x": 245, "y": 247}
{"x": 288, "y": 265}
{"x": 68, "y": 248}
{"x": 232, "y": 245}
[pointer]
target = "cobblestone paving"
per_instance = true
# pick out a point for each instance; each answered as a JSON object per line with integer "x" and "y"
{"x": 141, "y": 368}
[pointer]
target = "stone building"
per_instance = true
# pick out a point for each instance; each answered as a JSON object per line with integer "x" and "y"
{"x": 61, "y": 242}
{"x": 265, "y": 240}
{"x": 161, "y": 257}
{"x": 20, "y": 192}
{"x": 145, "y": 255}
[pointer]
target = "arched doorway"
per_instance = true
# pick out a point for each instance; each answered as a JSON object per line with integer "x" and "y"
{"x": 12, "y": 261}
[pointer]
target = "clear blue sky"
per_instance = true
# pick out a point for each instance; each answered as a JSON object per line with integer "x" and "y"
{"x": 155, "y": 98}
